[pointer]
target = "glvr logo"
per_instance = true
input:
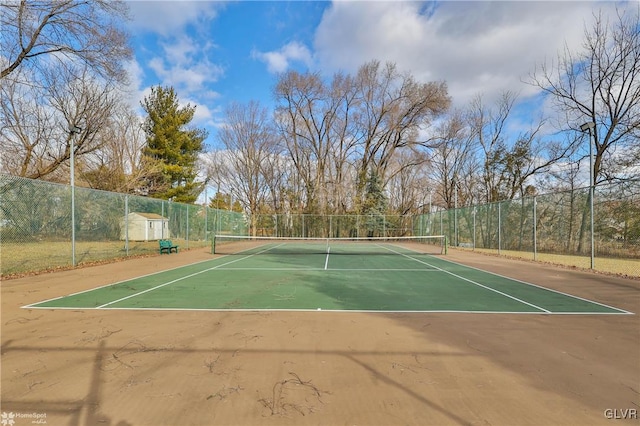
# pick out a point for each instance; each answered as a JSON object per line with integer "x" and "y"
{"x": 621, "y": 413}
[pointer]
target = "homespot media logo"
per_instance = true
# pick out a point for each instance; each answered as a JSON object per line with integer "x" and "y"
{"x": 11, "y": 418}
{"x": 621, "y": 413}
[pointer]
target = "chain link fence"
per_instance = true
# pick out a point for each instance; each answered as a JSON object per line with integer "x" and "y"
{"x": 553, "y": 228}
{"x": 332, "y": 226}
{"x": 39, "y": 232}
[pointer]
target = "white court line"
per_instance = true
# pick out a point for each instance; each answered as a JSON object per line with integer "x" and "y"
{"x": 182, "y": 278}
{"x": 32, "y": 305}
{"x": 542, "y": 287}
{"x": 468, "y": 280}
{"x": 622, "y": 311}
{"x": 326, "y": 261}
{"x": 221, "y": 267}
{"x": 370, "y": 311}
{"x": 332, "y": 269}
{"x": 113, "y": 284}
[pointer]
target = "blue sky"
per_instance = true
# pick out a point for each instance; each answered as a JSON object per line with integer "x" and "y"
{"x": 214, "y": 53}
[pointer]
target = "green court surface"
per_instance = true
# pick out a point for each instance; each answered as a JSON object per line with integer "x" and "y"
{"x": 376, "y": 278}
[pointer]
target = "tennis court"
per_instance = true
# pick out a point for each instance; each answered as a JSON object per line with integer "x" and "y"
{"x": 410, "y": 275}
{"x": 192, "y": 338}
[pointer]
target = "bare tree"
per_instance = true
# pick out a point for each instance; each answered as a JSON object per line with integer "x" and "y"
{"x": 36, "y": 141}
{"x": 249, "y": 142}
{"x": 488, "y": 126}
{"x": 393, "y": 108}
{"x": 278, "y": 173}
{"x": 509, "y": 159}
{"x": 341, "y": 186}
{"x": 337, "y": 133}
{"x": 53, "y": 33}
{"x": 61, "y": 62}
{"x": 305, "y": 120}
{"x": 118, "y": 165}
{"x": 26, "y": 129}
{"x": 600, "y": 84}
{"x": 408, "y": 181}
{"x": 453, "y": 162}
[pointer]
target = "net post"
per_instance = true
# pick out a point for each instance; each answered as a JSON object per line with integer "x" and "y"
{"x": 213, "y": 244}
{"x": 446, "y": 244}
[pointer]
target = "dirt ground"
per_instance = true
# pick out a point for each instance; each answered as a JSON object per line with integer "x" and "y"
{"x": 75, "y": 367}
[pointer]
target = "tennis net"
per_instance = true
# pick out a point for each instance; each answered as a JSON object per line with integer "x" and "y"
{"x": 234, "y": 244}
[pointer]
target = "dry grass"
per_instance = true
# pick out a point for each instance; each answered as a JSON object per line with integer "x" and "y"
{"x": 628, "y": 267}
{"x": 25, "y": 258}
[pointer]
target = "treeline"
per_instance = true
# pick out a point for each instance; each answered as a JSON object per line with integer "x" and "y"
{"x": 328, "y": 145}
{"x": 377, "y": 139}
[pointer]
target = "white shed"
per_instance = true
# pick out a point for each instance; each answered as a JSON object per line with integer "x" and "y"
{"x": 144, "y": 227}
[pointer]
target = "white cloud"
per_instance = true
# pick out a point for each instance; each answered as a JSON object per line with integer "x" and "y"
{"x": 280, "y": 60}
{"x": 203, "y": 116}
{"x": 135, "y": 75}
{"x": 167, "y": 17}
{"x": 475, "y": 46}
{"x": 184, "y": 65}
{"x": 182, "y": 58}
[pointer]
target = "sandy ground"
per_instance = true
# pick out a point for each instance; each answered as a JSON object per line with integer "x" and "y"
{"x": 75, "y": 367}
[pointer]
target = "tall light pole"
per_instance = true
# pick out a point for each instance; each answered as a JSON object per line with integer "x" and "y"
{"x": 73, "y": 130}
{"x": 430, "y": 210}
{"x": 590, "y": 127}
{"x": 455, "y": 213}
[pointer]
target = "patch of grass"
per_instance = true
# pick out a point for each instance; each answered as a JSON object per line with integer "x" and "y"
{"x": 629, "y": 267}
{"x": 24, "y": 258}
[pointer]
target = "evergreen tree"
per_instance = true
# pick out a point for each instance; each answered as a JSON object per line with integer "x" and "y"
{"x": 375, "y": 205}
{"x": 173, "y": 146}
{"x": 223, "y": 201}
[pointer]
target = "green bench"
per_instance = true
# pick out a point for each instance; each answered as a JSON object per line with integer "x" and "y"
{"x": 166, "y": 246}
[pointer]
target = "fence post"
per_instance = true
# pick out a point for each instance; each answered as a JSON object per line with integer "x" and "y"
{"x": 455, "y": 221}
{"x": 73, "y": 218}
{"x": 591, "y": 195}
{"x": 384, "y": 225}
{"x": 535, "y": 229}
{"x": 499, "y": 228}
{"x": 126, "y": 224}
{"x": 474, "y": 228}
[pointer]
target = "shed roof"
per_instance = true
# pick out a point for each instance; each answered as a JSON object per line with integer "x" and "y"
{"x": 153, "y": 216}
